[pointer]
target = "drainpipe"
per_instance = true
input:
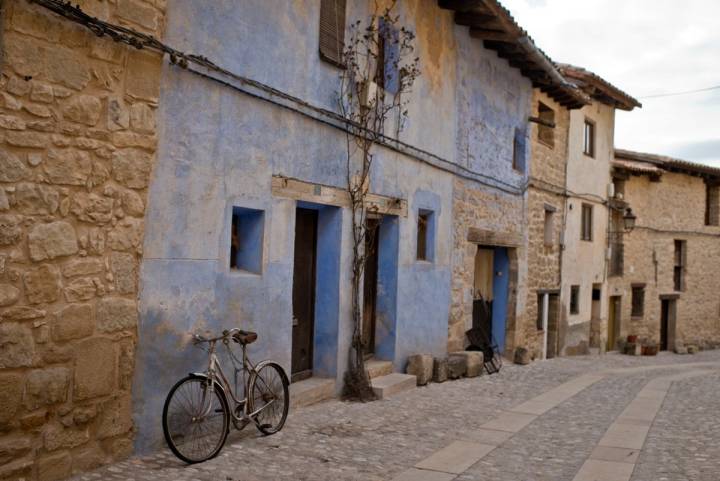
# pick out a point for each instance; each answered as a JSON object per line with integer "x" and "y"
{"x": 545, "y": 310}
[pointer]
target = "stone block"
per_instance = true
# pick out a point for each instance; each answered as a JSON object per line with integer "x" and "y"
{"x": 473, "y": 362}
{"x": 522, "y": 356}
{"x": 131, "y": 167}
{"x": 34, "y": 199}
{"x": 633, "y": 349}
{"x": 132, "y": 203}
{"x": 83, "y": 109}
{"x": 46, "y": 386}
{"x": 457, "y": 366}
{"x": 83, "y": 267}
{"x": 75, "y": 321}
{"x": 421, "y": 366}
{"x": 14, "y": 447}
{"x": 9, "y": 294}
{"x": 142, "y": 74}
{"x": 54, "y": 466}
{"x": 22, "y": 313}
{"x": 680, "y": 348}
{"x": 440, "y": 369}
{"x": 10, "y": 227}
{"x": 42, "y": 285}
{"x": 12, "y": 169}
{"x": 124, "y": 270}
{"x": 126, "y": 235}
{"x": 81, "y": 289}
{"x": 33, "y": 140}
{"x": 139, "y": 13}
{"x": 692, "y": 349}
{"x": 68, "y": 67}
{"x": 92, "y": 208}
{"x": 10, "y": 122}
{"x": 142, "y": 118}
{"x": 11, "y": 389}
{"x": 56, "y": 436}
{"x": 48, "y": 241}
{"x": 17, "y": 347}
{"x": 88, "y": 458}
{"x": 95, "y": 369}
{"x": 116, "y": 314}
{"x": 42, "y": 93}
{"x": 67, "y": 166}
{"x": 115, "y": 417}
{"x": 118, "y": 115}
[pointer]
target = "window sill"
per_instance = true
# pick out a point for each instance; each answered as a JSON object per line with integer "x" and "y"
{"x": 546, "y": 144}
{"x": 592, "y": 156}
{"x": 243, "y": 273}
{"x": 637, "y": 318}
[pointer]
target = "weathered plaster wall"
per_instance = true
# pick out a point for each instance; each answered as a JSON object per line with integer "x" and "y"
{"x": 219, "y": 148}
{"x": 547, "y": 177}
{"x": 587, "y": 182}
{"x": 675, "y": 207}
{"x": 77, "y": 135}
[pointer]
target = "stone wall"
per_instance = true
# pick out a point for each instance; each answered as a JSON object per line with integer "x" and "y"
{"x": 547, "y": 183}
{"x": 77, "y": 135}
{"x": 478, "y": 208}
{"x": 668, "y": 210}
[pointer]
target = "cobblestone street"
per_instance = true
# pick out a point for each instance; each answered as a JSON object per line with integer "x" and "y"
{"x": 564, "y": 419}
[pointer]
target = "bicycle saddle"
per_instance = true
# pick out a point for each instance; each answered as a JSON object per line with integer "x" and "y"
{"x": 245, "y": 337}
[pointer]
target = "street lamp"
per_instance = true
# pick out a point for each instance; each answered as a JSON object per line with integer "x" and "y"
{"x": 629, "y": 220}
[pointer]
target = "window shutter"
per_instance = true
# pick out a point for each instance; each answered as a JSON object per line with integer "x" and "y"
{"x": 332, "y": 30}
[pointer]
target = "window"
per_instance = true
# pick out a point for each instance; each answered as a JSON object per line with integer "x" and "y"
{"x": 589, "y": 138}
{"x": 387, "y": 74}
{"x": 574, "y": 299}
{"x": 680, "y": 262}
{"x": 546, "y": 129}
{"x": 638, "y": 301}
{"x": 586, "y": 223}
{"x": 332, "y": 30}
{"x": 712, "y": 204}
{"x": 246, "y": 240}
{"x": 619, "y": 187}
{"x": 519, "y": 151}
{"x": 549, "y": 234}
{"x": 425, "y": 237}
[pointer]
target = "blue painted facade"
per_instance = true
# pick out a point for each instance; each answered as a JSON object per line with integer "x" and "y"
{"x": 220, "y": 148}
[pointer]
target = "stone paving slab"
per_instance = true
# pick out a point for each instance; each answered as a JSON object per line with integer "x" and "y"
{"x": 510, "y": 421}
{"x": 414, "y": 474}
{"x": 596, "y": 470}
{"x": 618, "y": 455}
{"x": 456, "y": 458}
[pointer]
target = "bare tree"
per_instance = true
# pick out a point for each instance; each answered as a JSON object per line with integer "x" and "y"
{"x": 379, "y": 70}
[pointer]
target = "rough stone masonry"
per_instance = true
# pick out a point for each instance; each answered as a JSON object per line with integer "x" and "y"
{"x": 77, "y": 146}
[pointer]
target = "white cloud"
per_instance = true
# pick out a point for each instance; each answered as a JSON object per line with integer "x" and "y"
{"x": 644, "y": 47}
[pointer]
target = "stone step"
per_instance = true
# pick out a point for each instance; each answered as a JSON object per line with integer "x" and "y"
{"x": 310, "y": 391}
{"x": 377, "y": 368}
{"x": 394, "y": 383}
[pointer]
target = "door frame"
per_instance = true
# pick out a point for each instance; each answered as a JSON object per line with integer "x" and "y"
{"x": 305, "y": 373}
{"x": 614, "y": 319}
{"x": 670, "y": 322}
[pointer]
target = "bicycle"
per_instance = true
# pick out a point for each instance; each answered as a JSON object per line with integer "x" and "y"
{"x": 197, "y": 415}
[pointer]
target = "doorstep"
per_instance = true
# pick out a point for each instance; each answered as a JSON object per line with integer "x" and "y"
{"x": 311, "y": 391}
{"x": 394, "y": 383}
{"x": 377, "y": 368}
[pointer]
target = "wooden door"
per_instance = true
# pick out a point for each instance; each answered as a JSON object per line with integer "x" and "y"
{"x": 664, "y": 321}
{"x": 613, "y": 322}
{"x": 304, "y": 293}
{"x": 370, "y": 286}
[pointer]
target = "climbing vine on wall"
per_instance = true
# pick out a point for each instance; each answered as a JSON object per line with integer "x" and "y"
{"x": 380, "y": 68}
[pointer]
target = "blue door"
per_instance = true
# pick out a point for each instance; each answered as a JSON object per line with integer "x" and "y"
{"x": 501, "y": 283}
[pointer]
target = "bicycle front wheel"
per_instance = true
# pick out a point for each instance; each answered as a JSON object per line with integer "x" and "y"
{"x": 195, "y": 419}
{"x": 269, "y": 397}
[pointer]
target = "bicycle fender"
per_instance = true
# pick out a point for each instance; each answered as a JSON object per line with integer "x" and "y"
{"x": 202, "y": 375}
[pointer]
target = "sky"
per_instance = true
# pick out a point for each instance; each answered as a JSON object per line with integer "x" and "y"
{"x": 645, "y": 48}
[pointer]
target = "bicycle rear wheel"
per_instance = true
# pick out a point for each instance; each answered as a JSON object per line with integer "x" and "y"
{"x": 270, "y": 394}
{"x": 195, "y": 419}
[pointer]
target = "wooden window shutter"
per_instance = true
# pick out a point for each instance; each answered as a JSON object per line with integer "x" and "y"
{"x": 332, "y": 30}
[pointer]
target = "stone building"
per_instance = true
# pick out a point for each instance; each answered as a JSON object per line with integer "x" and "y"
{"x": 665, "y": 284}
{"x": 584, "y": 256}
{"x": 77, "y": 145}
{"x": 545, "y": 220}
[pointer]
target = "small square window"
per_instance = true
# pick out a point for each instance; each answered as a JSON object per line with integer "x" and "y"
{"x": 586, "y": 223}
{"x": 574, "y": 299}
{"x": 638, "y": 301}
{"x": 246, "y": 240}
{"x": 425, "y": 235}
{"x": 546, "y": 129}
{"x": 589, "y": 138}
{"x": 712, "y": 204}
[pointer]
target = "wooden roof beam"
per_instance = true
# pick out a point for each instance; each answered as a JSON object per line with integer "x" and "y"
{"x": 473, "y": 19}
{"x": 461, "y": 5}
{"x": 491, "y": 35}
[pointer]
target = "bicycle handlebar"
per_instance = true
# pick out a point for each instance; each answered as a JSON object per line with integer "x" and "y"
{"x": 225, "y": 335}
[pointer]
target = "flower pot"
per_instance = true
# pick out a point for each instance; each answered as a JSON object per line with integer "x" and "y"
{"x": 632, "y": 338}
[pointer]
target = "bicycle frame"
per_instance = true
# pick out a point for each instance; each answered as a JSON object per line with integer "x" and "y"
{"x": 215, "y": 374}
